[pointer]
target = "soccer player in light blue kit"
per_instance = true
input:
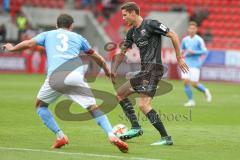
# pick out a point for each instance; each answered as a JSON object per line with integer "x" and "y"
{"x": 61, "y": 46}
{"x": 194, "y": 50}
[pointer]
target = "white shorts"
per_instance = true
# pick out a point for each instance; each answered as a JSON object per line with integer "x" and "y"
{"x": 193, "y": 74}
{"x": 75, "y": 78}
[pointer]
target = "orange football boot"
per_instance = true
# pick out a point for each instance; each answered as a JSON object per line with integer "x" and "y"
{"x": 122, "y": 146}
{"x": 60, "y": 142}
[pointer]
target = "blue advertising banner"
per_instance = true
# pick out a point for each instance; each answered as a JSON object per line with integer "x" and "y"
{"x": 215, "y": 58}
{"x": 232, "y": 59}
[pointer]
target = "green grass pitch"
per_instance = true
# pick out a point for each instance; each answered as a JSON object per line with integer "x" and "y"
{"x": 211, "y": 132}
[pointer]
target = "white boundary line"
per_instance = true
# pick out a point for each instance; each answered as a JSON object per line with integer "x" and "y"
{"x": 76, "y": 153}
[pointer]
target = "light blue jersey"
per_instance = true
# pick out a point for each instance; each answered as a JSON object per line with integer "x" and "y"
{"x": 61, "y": 45}
{"x": 196, "y": 44}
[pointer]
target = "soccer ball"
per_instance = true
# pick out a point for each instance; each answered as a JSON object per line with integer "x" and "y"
{"x": 119, "y": 129}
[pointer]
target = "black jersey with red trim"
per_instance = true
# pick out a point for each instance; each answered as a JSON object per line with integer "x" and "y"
{"x": 147, "y": 37}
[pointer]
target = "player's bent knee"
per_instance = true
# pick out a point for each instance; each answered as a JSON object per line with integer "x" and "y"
{"x": 40, "y": 103}
{"x": 92, "y": 108}
{"x": 145, "y": 107}
{"x": 120, "y": 97}
{"x": 194, "y": 84}
{"x": 186, "y": 82}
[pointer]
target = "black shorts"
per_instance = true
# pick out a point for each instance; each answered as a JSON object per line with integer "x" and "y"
{"x": 146, "y": 82}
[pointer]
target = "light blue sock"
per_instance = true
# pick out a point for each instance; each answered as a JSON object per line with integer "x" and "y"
{"x": 188, "y": 92}
{"x": 102, "y": 120}
{"x": 48, "y": 119}
{"x": 201, "y": 87}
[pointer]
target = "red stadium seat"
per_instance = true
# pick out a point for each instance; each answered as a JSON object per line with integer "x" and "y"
{"x": 45, "y": 3}
{"x": 60, "y": 4}
{"x": 77, "y": 4}
{"x": 234, "y": 3}
{"x": 52, "y": 4}
{"x": 35, "y": 2}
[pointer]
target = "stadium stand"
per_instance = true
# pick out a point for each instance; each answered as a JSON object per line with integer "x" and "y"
{"x": 17, "y": 4}
{"x": 222, "y": 20}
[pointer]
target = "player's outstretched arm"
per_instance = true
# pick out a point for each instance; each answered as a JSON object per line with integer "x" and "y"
{"x": 101, "y": 62}
{"x": 118, "y": 60}
{"x": 20, "y": 46}
{"x": 175, "y": 41}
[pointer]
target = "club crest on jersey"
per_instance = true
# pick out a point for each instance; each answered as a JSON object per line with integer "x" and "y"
{"x": 143, "y": 32}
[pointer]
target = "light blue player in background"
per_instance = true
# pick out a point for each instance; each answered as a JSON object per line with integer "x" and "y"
{"x": 194, "y": 50}
{"x": 63, "y": 45}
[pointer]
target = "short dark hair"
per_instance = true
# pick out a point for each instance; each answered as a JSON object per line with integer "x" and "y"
{"x": 131, "y": 6}
{"x": 64, "y": 21}
{"x": 193, "y": 23}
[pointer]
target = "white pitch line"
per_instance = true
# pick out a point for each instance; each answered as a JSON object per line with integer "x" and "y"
{"x": 79, "y": 153}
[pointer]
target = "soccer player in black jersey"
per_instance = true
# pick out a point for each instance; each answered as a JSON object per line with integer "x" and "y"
{"x": 146, "y": 34}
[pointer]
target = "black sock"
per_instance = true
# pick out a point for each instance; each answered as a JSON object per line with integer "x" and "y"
{"x": 129, "y": 112}
{"x": 156, "y": 122}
